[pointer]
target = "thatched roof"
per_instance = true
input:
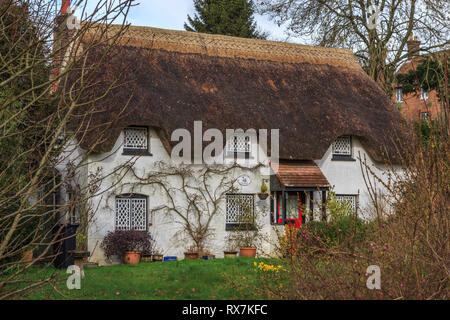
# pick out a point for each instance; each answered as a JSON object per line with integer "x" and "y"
{"x": 312, "y": 94}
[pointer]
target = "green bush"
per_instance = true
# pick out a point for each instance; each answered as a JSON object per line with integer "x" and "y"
{"x": 341, "y": 230}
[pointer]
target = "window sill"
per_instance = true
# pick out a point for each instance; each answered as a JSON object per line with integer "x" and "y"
{"x": 342, "y": 158}
{"x": 239, "y": 227}
{"x": 238, "y": 155}
{"x": 136, "y": 152}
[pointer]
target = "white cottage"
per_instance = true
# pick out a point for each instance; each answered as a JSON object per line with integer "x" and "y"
{"x": 327, "y": 110}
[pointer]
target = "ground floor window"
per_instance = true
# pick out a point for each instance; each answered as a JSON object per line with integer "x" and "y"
{"x": 351, "y": 200}
{"x": 131, "y": 212}
{"x": 239, "y": 210}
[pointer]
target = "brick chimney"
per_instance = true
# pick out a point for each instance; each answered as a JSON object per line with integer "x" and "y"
{"x": 65, "y": 7}
{"x": 413, "y": 47}
{"x": 61, "y": 39}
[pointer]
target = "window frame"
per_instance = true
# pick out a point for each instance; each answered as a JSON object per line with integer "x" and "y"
{"x": 356, "y": 196}
{"x": 239, "y": 154}
{"x": 131, "y": 196}
{"x": 230, "y": 226}
{"x": 343, "y": 157}
{"x": 137, "y": 151}
{"x": 397, "y": 96}
{"x": 423, "y": 94}
{"x": 425, "y": 115}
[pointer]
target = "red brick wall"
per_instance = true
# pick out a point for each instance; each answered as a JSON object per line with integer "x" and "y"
{"x": 412, "y": 105}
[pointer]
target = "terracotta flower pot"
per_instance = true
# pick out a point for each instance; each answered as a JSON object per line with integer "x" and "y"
{"x": 247, "y": 252}
{"x": 230, "y": 254}
{"x": 132, "y": 257}
{"x": 191, "y": 255}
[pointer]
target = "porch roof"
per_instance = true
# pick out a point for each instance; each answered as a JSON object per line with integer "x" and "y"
{"x": 301, "y": 173}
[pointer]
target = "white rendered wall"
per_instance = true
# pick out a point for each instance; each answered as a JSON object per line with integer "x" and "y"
{"x": 345, "y": 176}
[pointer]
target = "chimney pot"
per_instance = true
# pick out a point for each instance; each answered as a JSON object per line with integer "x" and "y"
{"x": 413, "y": 47}
{"x": 65, "y": 6}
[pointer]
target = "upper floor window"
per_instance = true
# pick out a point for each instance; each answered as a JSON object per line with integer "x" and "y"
{"x": 351, "y": 202}
{"x": 399, "y": 95}
{"x": 342, "y": 148}
{"x": 131, "y": 212}
{"x": 136, "y": 141}
{"x": 239, "y": 210}
{"x": 239, "y": 144}
{"x": 423, "y": 94}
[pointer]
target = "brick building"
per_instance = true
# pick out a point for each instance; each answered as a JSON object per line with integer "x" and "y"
{"x": 422, "y": 104}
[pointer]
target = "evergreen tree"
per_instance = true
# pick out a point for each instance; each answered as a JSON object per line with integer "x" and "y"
{"x": 227, "y": 17}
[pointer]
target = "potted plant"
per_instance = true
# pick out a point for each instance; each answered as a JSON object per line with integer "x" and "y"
{"x": 263, "y": 194}
{"x": 191, "y": 253}
{"x": 157, "y": 256}
{"x": 230, "y": 253}
{"x": 247, "y": 233}
{"x": 231, "y": 248}
{"x": 128, "y": 244}
{"x": 208, "y": 256}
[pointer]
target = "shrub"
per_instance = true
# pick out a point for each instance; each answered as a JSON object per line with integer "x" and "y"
{"x": 346, "y": 230}
{"x": 119, "y": 241}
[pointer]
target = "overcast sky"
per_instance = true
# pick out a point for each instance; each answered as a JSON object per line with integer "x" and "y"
{"x": 172, "y": 14}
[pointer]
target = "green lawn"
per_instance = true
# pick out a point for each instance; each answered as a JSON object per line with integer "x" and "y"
{"x": 186, "y": 279}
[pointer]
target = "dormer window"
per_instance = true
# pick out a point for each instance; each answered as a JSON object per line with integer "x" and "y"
{"x": 399, "y": 95}
{"x": 136, "y": 141}
{"x": 239, "y": 145}
{"x": 342, "y": 148}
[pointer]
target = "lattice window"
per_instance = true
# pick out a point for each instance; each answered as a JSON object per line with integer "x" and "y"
{"x": 131, "y": 213}
{"x": 343, "y": 146}
{"x": 136, "y": 138}
{"x": 351, "y": 200}
{"x": 239, "y": 143}
{"x": 238, "y": 207}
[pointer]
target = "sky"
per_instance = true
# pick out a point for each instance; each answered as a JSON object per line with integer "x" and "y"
{"x": 172, "y": 14}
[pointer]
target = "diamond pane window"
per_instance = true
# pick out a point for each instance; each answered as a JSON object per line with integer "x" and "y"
{"x": 131, "y": 213}
{"x": 239, "y": 206}
{"x": 342, "y": 146}
{"x": 136, "y": 138}
{"x": 351, "y": 200}
{"x": 239, "y": 143}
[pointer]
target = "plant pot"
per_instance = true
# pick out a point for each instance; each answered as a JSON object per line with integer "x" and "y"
{"x": 263, "y": 196}
{"x": 170, "y": 258}
{"x": 27, "y": 256}
{"x": 79, "y": 259}
{"x": 146, "y": 258}
{"x": 209, "y": 257}
{"x": 132, "y": 257}
{"x": 191, "y": 255}
{"x": 247, "y": 252}
{"x": 157, "y": 257}
{"x": 230, "y": 254}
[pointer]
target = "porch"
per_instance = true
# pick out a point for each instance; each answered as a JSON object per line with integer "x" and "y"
{"x": 292, "y": 188}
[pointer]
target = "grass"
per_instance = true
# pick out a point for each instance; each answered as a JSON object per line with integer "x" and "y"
{"x": 186, "y": 279}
